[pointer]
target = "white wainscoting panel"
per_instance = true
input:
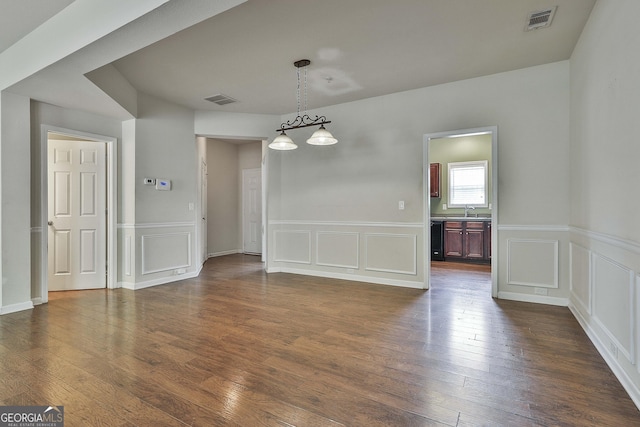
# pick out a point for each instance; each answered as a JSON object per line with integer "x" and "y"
{"x": 337, "y": 249}
{"x": 637, "y": 318}
{"x": 127, "y": 256}
{"x": 613, "y": 303}
{"x": 392, "y": 253}
{"x": 164, "y": 252}
{"x": 532, "y": 262}
{"x": 292, "y": 246}
{"x": 580, "y": 280}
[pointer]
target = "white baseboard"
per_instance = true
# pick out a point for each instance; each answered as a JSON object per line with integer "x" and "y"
{"x": 27, "y": 305}
{"x": 223, "y": 253}
{"x": 161, "y": 281}
{"x": 352, "y": 277}
{"x": 539, "y": 299}
{"x": 618, "y": 371}
{"x": 36, "y": 301}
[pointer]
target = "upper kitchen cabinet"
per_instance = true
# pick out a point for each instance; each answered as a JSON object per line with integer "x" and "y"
{"x": 434, "y": 179}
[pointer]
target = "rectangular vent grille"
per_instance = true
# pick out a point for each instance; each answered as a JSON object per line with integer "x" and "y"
{"x": 221, "y": 99}
{"x": 540, "y": 19}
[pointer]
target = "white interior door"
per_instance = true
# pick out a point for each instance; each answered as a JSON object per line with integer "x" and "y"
{"x": 252, "y": 211}
{"x": 204, "y": 234}
{"x": 77, "y": 215}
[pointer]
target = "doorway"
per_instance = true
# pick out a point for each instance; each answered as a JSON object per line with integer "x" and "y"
{"x": 78, "y": 210}
{"x": 252, "y": 211}
{"x": 461, "y": 202}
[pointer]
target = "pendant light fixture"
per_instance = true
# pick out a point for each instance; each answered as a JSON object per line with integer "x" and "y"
{"x": 320, "y": 137}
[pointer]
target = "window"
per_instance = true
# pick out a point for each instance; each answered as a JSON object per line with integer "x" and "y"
{"x": 468, "y": 184}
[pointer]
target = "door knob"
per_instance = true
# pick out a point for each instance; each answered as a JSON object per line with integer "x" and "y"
{"x": 50, "y": 223}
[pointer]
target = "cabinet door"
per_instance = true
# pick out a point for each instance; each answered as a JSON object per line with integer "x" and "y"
{"x": 434, "y": 179}
{"x": 474, "y": 244}
{"x": 453, "y": 240}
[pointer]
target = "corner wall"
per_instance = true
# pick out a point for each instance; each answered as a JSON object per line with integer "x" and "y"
{"x": 161, "y": 244}
{"x": 15, "y": 182}
{"x": 604, "y": 236}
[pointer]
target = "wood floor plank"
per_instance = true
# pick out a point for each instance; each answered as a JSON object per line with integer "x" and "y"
{"x": 236, "y": 346}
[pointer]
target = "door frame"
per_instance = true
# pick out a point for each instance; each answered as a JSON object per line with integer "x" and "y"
{"x": 493, "y": 130}
{"x": 112, "y": 202}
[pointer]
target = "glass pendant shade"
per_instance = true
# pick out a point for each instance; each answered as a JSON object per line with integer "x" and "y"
{"x": 322, "y": 137}
{"x": 283, "y": 142}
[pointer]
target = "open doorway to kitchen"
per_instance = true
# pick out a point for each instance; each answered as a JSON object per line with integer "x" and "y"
{"x": 461, "y": 206}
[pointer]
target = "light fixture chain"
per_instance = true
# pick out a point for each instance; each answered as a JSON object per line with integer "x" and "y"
{"x": 298, "y": 89}
{"x": 305, "y": 90}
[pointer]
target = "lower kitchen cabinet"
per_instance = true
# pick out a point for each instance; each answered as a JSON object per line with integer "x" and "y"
{"x": 465, "y": 240}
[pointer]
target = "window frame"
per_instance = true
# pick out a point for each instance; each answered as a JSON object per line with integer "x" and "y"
{"x": 451, "y": 167}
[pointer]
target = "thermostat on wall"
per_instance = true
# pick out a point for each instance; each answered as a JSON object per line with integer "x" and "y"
{"x": 163, "y": 184}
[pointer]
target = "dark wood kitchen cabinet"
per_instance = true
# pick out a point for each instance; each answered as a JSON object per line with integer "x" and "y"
{"x": 465, "y": 240}
{"x": 434, "y": 179}
{"x": 453, "y": 242}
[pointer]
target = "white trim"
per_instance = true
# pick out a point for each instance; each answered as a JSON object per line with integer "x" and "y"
{"x": 349, "y": 223}
{"x": 169, "y": 268}
{"x": 275, "y": 250}
{"x": 622, "y": 376}
{"x": 143, "y": 226}
{"x": 347, "y": 277}
{"x": 344, "y": 233}
{"x": 111, "y": 196}
{"x": 36, "y": 301}
{"x": 539, "y": 299}
{"x": 586, "y": 306}
{"x": 477, "y": 163}
{"x": 414, "y": 271}
{"x": 223, "y": 253}
{"x": 630, "y": 352}
{"x": 608, "y": 238}
{"x": 36, "y": 229}
{"x": 13, "y": 308}
{"x": 161, "y": 281}
{"x": 536, "y": 228}
{"x": 493, "y": 130}
{"x": 556, "y": 260}
{"x": 127, "y": 256}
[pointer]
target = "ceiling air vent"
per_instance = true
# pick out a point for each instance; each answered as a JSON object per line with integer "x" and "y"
{"x": 540, "y": 19}
{"x": 221, "y": 99}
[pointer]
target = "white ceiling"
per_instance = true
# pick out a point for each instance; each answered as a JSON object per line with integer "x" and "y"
{"x": 358, "y": 48}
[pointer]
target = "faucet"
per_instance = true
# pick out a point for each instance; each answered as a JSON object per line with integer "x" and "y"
{"x": 466, "y": 210}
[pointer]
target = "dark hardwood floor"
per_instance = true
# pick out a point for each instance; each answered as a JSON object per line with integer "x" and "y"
{"x": 237, "y": 347}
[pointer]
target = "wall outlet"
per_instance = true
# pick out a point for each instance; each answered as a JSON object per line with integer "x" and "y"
{"x": 444, "y": 206}
{"x": 149, "y": 181}
{"x": 540, "y": 291}
{"x": 181, "y": 271}
{"x": 401, "y": 205}
{"x": 613, "y": 349}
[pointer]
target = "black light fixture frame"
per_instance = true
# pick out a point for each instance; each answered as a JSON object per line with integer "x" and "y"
{"x": 304, "y": 120}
